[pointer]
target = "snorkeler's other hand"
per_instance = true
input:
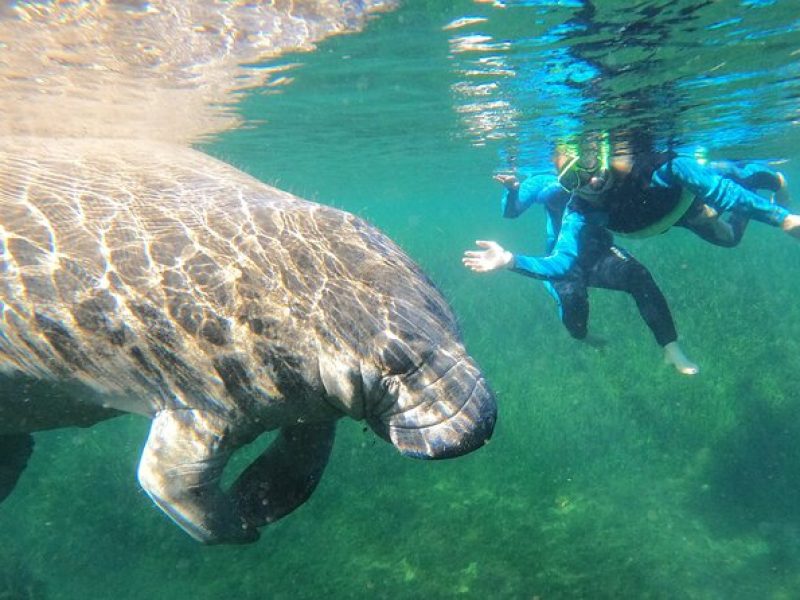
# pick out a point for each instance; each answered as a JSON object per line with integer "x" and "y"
{"x": 791, "y": 225}
{"x": 493, "y": 257}
{"x": 782, "y": 195}
{"x": 509, "y": 180}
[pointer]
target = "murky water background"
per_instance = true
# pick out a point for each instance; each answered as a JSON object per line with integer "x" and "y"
{"x": 609, "y": 475}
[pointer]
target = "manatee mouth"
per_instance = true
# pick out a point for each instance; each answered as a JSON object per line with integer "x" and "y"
{"x": 454, "y": 416}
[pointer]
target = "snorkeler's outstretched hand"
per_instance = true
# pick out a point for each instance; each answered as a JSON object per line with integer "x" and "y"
{"x": 509, "y": 180}
{"x": 493, "y": 257}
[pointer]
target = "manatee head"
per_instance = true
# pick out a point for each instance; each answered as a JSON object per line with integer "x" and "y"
{"x": 415, "y": 385}
{"x": 421, "y": 390}
{"x": 427, "y": 397}
{"x": 395, "y": 356}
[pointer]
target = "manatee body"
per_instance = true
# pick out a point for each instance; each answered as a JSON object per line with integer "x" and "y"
{"x": 138, "y": 277}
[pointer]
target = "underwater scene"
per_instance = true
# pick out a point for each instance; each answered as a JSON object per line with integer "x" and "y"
{"x": 609, "y": 473}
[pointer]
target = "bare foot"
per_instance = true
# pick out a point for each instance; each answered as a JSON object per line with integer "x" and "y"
{"x": 674, "y": 356}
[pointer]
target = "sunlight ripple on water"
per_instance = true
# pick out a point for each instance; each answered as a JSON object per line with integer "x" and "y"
{"x": 533, "y": 72}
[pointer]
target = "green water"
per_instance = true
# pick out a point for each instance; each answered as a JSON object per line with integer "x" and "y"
{"x": 609, "y": 475}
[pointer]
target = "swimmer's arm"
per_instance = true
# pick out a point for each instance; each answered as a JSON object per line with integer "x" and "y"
{"x": 560, "y": 261}
{"x": 519, "y": 196}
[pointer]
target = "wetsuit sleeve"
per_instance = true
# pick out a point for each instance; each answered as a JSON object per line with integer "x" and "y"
{"x": 553, "y": 226}
{"x": 561, "y": 259}
{"x": 753, "y": 176}
{"x": 719, "y": 192}
{"x": 533, "y": 190}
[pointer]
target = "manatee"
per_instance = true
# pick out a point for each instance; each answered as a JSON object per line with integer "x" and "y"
{"x": 146, "y": 277}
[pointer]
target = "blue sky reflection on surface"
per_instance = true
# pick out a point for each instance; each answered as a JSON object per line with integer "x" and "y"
{"x": 652, "y": 65}
{"x": 523, "y": 75}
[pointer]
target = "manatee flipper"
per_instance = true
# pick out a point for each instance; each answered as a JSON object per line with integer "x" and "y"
{"x": 181, "y": 468}
{"x": 15, "y": 450}
{"x": 286, "y": 474}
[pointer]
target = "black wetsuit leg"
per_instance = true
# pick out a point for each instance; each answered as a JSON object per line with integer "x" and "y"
{"x": 708, "y": 229}
{"x": 618, "y": 270}
{"x": 574, "y": 300}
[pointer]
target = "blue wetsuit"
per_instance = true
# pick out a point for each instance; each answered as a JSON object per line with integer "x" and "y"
{"x": 657, "y": 178}
{"x": 581, "y": 254}
{"x": 564, "y": 228}
{"x": 750, "y": 176}
{"x": 724, "y": 187}
{"x": 753, "y": 176}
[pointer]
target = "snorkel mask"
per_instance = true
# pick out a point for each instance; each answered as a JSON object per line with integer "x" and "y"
{"x": 586, "y": 172}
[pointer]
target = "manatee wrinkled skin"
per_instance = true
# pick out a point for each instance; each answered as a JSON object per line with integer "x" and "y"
{"x": 140, "y": 277}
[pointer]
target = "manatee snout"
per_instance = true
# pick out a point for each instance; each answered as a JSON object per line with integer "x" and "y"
{"x": 442, "y": 410}
{"x": 461, "y": 433}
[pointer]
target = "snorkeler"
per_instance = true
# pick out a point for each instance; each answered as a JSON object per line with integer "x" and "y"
{"x": 640, "y": 194}
{"x": 751, "y": 176}
{"x": 598, "y": 263}
{"x": 646, "y": 192}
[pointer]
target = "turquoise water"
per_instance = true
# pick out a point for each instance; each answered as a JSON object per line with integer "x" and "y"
{"x": 609, "y": 476}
